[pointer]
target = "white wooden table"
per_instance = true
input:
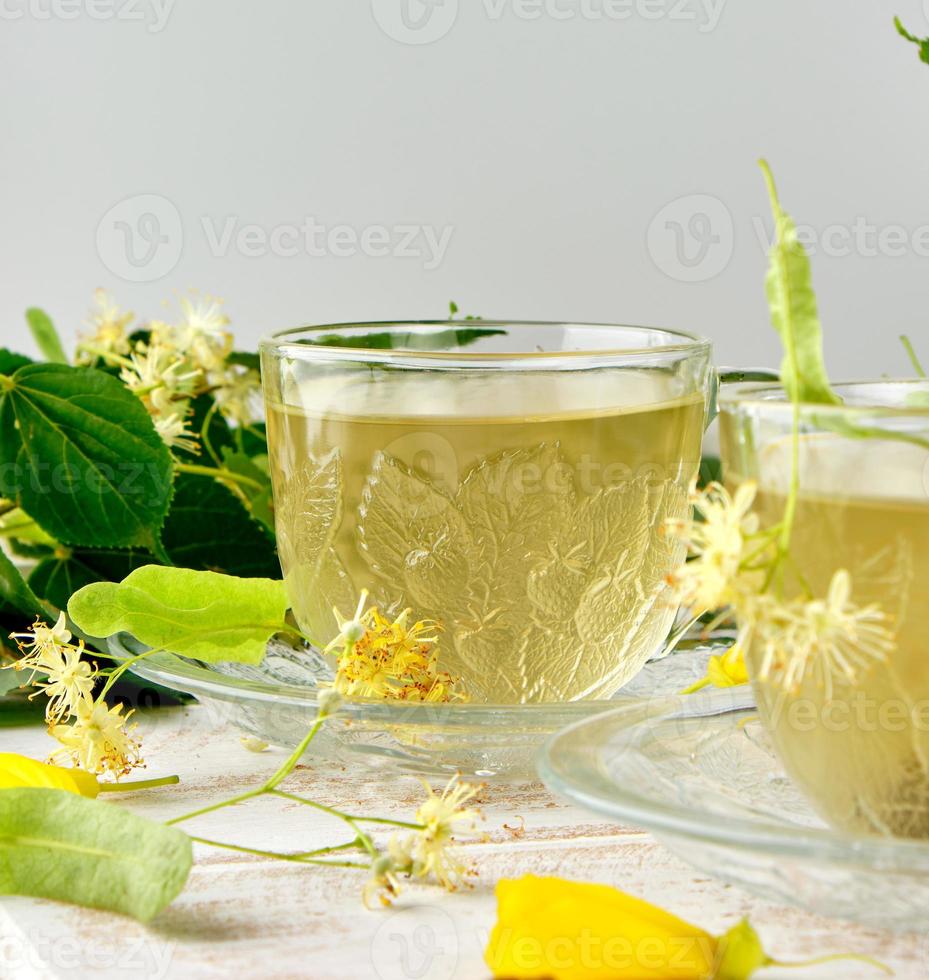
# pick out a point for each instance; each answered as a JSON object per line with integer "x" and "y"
{"x": 244, "y": 916}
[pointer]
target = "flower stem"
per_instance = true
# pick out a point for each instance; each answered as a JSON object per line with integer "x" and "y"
{"x": 288, "y": 767}
{"x": 218, "y": 473}
{"x": 696, "y": 686}
{"x": 269, "y": 787}
{"x": 363, "y": 838}
{"x": 107, "y": 356}
{"x": 139, "y": 784}
{"x": 241, "y": 798}
{"x": 911, "y": 353}
{"x": 831, "y": 958}
{"x": 295, "y": 858}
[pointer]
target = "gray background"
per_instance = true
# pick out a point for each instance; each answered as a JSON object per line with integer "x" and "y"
{"x": 594, "y": 159}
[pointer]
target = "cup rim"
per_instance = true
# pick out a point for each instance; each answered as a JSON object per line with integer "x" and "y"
{"x": 683, "y": 342}
{"x": 771, "y": 397}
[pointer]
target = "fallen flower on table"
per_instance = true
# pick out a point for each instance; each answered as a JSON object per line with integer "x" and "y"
{"x": 428, "y": 850}
{"x": 20, "y": 770}
{"x": 569, "y": 930}
{"x": 725, "y": 670}
{"x": 17, "y": 771}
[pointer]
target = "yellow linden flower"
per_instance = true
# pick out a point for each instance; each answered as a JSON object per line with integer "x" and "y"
{"x": 442, "y": 815}
{"x": 202, "y": 333}
{"x": 429, "y": 851}
{"x": 377, "y": 658}
{"x": 157, "y": 367}
{"x": 238, "y": 393}
{"x": 727, "y": 670}
{"x": 569, "y": 930}
{"x": 98, "y": 739}
{"x": 109, "y": 335}
{"x": 42, "y": 636}
{"x": 69, "y": 680}
{"x": 825, "y": 638}
{"x": 175, "y": 432}
{"x": 717, "y": 544}
{"x": 19, "y": 770}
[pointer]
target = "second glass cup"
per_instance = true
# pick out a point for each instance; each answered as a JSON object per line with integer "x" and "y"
{"x": 509, "y": 480}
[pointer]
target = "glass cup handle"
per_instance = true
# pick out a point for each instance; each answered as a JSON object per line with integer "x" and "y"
{"x": 726, "y": 376}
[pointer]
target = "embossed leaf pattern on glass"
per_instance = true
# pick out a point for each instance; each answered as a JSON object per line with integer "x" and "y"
{"x": 309, "y": 512}
{"x": 545, "y": 594}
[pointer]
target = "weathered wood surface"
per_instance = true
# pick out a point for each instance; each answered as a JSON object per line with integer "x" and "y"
{"x": 244, "y": 916}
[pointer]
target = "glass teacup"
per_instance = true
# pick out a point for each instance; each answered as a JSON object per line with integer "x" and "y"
{"x": 508, "y": 480}
{"x": 859, "y": 748}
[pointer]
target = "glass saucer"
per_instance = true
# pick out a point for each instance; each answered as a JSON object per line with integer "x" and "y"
{"x": 703, "y": 777}
{"x": 276, "y": 701}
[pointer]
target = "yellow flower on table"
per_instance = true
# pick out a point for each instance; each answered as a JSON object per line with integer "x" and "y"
{"x": 19, "y": 770}
{"x": 570, "y": 930}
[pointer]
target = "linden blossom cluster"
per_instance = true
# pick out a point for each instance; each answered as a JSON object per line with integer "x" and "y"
{"x": 167, "y": 365}
{"x": 732, "y": 566}
{"x": 393, "y": 661}
{"x": 95, "y": 736}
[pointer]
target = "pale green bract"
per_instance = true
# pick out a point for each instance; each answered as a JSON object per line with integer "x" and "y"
{"x": 203, "y": 615}
{"x": 45, "y": 335}
{"x": 792, "y": 301}
{"x": 55, "y": 844}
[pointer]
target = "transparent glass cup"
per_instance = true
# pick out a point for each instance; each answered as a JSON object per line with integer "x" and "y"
{"x": 508, "y": 480}
{"x": 858, "y": 748}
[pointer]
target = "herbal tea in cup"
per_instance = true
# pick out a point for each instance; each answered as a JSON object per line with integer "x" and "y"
{"x": 856, "y": 741}
{"x": 509, "y": 481}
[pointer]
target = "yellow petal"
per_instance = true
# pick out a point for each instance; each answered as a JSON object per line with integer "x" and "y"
{"x": 19, "y": 770}
{"x": 741, "y": 953}
{"x": 568, "y": 930}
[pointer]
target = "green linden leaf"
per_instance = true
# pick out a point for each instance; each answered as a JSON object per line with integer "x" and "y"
{"x": 16, "y": 597}
{"x": 58, "y": 576}
{"x": 79, "y": 453}
{"x": 46, "y": 336}
{"x": 253, "y": 439}
{"x": 711, "y": 471}
{"x": 10, "y": 362}
{"x": 260, "y": 501}
{"x": 792, "y": 301}
{"x": 58, "y": 845}
{"x": 10, "y": 680}
{"x": 209, "y": 528}
{"x": 203, "y": 615}
{"x": 405, "y": 339}
{"x": 921, "y": 42}
{"x": 246, "y": 359}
